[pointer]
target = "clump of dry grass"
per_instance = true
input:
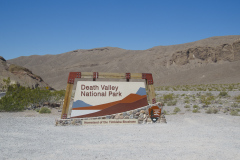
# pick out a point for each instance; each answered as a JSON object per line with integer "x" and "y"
{"x": 212, "y": 110}
{"x": 196, "y": 110}
{"x": 234, "y": 112}
{"x": 187, "y": 106}
{"x": 176, "y": 110}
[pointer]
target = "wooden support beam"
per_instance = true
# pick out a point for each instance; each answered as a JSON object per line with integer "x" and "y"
{"x": 94, "y": 75}
{"x": 67, "y": 100}
{"x": 151, "y": 94}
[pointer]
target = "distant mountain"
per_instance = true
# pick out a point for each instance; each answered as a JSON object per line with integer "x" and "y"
{"x": 141, "y": 91}
{"x": 19, "y": 74}
{"x": 80, "y": 103}
{"x": 211, "y": 60}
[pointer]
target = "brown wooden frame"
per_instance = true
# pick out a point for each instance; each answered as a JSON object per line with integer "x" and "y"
{"x": 95, "y": 75}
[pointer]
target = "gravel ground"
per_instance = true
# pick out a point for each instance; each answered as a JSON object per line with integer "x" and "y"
{"x": 29, "y": 135}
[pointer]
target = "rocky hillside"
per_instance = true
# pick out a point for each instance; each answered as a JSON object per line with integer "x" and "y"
{"x": 19, "y": 74}
{"x": 206, "y": 54}
{"x": 211, "y": 60}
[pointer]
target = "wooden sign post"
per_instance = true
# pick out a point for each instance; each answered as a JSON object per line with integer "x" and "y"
{"x": 96, "y": 75}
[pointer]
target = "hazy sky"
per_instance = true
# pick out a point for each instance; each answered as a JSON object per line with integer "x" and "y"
{"x": 29, "y": 27}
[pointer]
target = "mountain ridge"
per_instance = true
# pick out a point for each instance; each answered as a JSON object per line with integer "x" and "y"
{"x": 19, "y": 74}
{"x": 166, "y": 63}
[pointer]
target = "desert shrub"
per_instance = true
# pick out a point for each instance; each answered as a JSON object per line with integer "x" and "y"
{"x": 176, "y": 110}
{"x": 5, "y": 84}
{"x": 225, "y": 111}
{"x": 223, "y": 94}
{"x": 202, "y": 87}
{"x": 230, "y": 88}
{"x": 209, "y": 94}
{"x": 44, "y": 110}
{"x": 165, "y": 112}
{"x": 195, "y": 110}
{"x": 234, "y": 113}
{"x": 235, "y": 105}
{"x": 187, "y": 106}
{"x": 196, "y": 106}
{"x": 186, "y": 97}
{"x": 215, "y": 110}
{"x": 18, "y": 98}
{"x": 171, "y": 103}
{"x": 187, "y": 101}
{"x": 237, "y": 109}
{"x": 237, "y": 98}
{"x": 14, "y": 100}
{"x": 174, "y": 102}
{"x": 212, "y": 110}
{"x": 168, "y": 97}
{"x": 199, "y": 94}
{"x": 209, "y": 111}
{"x": 207, "y": 99}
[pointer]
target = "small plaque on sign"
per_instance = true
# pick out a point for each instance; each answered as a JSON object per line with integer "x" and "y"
{"x": 154, "y": 113}
{"x": 109, "y": 121}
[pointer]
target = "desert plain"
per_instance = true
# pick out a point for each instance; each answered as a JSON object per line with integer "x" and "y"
{"x": 186, "y": 135}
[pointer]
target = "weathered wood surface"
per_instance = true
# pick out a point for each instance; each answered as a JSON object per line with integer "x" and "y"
{"x": 151, "y": 93}
{"x": 67, "y": 99}
{"x": 111, "y": 75}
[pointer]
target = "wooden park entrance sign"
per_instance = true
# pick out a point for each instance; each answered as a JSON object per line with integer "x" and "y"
{"x": 101, "y": 98}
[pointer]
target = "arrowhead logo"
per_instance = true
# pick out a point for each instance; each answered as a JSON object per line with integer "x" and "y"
{"x": 154, "y": 113}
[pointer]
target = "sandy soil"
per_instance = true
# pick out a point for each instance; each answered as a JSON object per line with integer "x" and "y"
{"x": 29, "y": 135}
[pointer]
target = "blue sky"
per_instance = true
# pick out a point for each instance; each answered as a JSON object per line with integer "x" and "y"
{"x": 39, "y": 27}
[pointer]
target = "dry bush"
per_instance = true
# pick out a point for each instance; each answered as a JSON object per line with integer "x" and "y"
{"x": 223, "y": 94}
{"x": 234, "y": 113}
{"x": 196, "y": 106}
{"x": 176, "y": 110}
{"x": 209, "y": 111}
{"x": 44, "y": 110}
{"x": 187, "y": 106}
{"x": 195, "y": 110}
{"x": 237, "y": 98}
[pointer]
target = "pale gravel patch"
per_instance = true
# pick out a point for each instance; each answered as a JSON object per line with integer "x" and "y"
{"x": 185, "y": 136}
